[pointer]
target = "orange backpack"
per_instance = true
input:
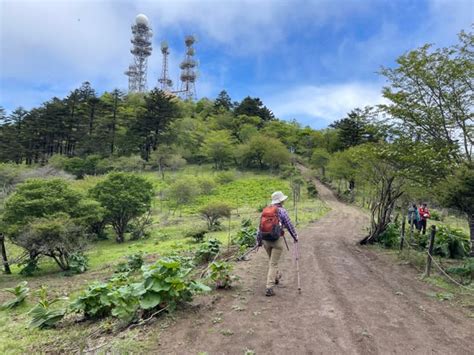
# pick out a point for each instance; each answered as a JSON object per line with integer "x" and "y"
{"x": 270, "y": 226}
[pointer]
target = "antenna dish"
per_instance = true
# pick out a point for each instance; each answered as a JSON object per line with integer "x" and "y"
{"x": 141, "y": 19}
{"x": 164, "y": 45}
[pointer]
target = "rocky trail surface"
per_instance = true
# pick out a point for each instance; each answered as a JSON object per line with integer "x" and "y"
{"x": 353, "y": 301}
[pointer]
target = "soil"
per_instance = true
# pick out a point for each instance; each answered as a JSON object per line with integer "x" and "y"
{"x": 353, "y": 301}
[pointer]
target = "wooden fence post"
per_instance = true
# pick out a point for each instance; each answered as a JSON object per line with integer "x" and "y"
{"x": 228, "y": 237}
{"x": 430, "y": 251}
{"x": 402, "y": 237}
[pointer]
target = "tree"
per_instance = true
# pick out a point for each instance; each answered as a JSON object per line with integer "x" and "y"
{"x": 431, "y": 95}
{"x": 55, "y": 236}
{"x": 276, "y": 154}
{"x": 160, "y": 110}
{"x": 124, "y": 196}
{"x": 214, "y": 211}
{"x": 183, "y": 191}
{"x": 320, "y": 159}
{"x": 223, "y": 101}
{"x": 165, "y": 157}
{"x": 457, "y": 191}
{"x": 218, "y": 148}
{"x": 254, "y": 107}
{"x": 39, "y": 201}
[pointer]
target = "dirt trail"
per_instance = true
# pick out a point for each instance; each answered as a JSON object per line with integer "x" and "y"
{"x": 353, "y": 301}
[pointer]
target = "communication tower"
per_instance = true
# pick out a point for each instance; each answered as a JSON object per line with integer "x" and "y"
{"x": 141, "y": 50}
{"x": 188, "y": 75}
{"x": 166, "y": 84}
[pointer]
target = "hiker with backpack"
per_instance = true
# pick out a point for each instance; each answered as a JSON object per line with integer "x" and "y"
{"x": 424, "y": 216}
{"x": 271, "y": 235}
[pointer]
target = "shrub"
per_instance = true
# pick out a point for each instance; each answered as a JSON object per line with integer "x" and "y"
{"x": 20, "y": 292}
{"x": 225, "y": 177}
{"x": 220, "y": 274}
{"x": 46, "y": 313}
{"x": 208, "y": 250}
{"x": 197, "y": 235}
{"x": 56, "y": 236}
{"x": 247, "y": 235}
{"x": 134, "y": 262}
{"x": 31, "y": 266}
{"x": 206, "y": 185}
{"x": 183, "y": 191}
{"x": 78, "y": 263}
{"x": 125, "y": 197}
{"x": 133, "y": 163}
{"x": 465, "y": 272}
{"x": 435, "y": 215}
{"x": 451, "y": 243}
{"x": 311, "y": 189}
{"x": 213, "y": 212}
{"x": 390, "y": 237}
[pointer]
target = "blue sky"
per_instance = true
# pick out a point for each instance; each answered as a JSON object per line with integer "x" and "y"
{"x": 309, "y": 60}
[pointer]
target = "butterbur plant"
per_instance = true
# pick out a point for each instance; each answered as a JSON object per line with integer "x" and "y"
{"x": 208, "y": 250}
{"x": 167, "y": 283}
{"x": 20, "y": 292}
{"x": 220, "y": 273}
{"x": 47, "y": 313}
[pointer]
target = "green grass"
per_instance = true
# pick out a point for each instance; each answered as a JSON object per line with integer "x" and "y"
{"x": 248, "y": 192}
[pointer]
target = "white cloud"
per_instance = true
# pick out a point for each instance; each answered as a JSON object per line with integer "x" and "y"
{"x": 323, "y": 103}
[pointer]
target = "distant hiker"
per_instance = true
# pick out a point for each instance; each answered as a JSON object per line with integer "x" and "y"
{"x": 424, "y": 216}
{"x": 270, "y": 234}
{"x": 414, "y": 216}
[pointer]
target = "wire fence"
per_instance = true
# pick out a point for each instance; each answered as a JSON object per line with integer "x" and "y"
{"x": 430, "y": 257}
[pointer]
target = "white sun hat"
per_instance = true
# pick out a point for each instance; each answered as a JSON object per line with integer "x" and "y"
{"x": 278, "y": 197}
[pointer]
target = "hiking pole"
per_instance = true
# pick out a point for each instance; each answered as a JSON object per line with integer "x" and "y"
{"x": 297, "y": 256}
{"x": 286, "y": 243}
{"x": 242, "y": 257}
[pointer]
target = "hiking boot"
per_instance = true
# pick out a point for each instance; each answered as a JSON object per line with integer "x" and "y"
{"x": 277, "y": 278}
{"x": 269, "y": 292}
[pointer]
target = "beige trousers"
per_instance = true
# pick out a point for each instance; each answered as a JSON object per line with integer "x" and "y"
{"x": 274, "y": 250}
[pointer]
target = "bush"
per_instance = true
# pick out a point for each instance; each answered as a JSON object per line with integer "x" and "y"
{"x": 38, "y": 198}
{"x": 311, "y": 189}
{"x": 31, "y": 266}
{"x": 197, "y": 235}
{"x": 56, "y": 236}
{"x": 78, "y": 263}
{"x": 20, "y": 292}
{"x": 134, "y": 262}
{"x": 183, "y": 191}
{"x": 124, "y": 197}
{"x": 206, "y": 185}
{"x": 220, "y": 274}
{"x": 225, "y": 177}
{"x": 436, "y": 215}
{"x": 213, "y": 212}
{"x": 390, "y": 237}
{"x": 465, "y": 272}
{"x": 208, "y": 250}
{"x": 451, "y": 243}
{"x": 247, "y": 235}
{"x": 133, "y": 163}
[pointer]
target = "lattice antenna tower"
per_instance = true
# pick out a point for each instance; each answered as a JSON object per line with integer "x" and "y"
{"x": 188, "y": 74}
{"x": 166, "y": 84}
{"x": 141, "y": 50}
